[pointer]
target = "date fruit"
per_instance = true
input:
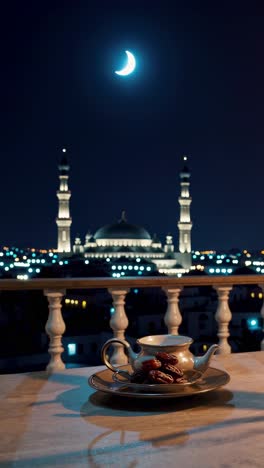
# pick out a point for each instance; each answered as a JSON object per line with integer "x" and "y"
{"x": 156, "y": 376}
{"x": 167, "y": 358}
{"x": 161, "y": 369}
{"x": 150, "y": 364}
{"x": 138, "y": 377}
{"x": 181, "y": 380}
{"x": 174, "y": 371}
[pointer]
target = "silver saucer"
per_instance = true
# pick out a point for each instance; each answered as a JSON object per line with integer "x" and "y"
{"x": 210, "y": 380}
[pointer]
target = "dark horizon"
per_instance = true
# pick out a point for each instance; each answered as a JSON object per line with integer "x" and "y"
{"x": 197, "y": 90}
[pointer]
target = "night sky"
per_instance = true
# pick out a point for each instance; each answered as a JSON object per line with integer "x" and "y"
{"x": 197, "y": 90}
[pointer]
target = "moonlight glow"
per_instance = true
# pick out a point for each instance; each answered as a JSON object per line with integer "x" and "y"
{"x": 130, "y": 66}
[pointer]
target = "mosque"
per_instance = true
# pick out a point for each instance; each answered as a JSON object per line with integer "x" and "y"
{"x": 123, "y": 240}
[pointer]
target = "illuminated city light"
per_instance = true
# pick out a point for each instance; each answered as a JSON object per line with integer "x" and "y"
{"x": 22, "y": 277}
{"x": 253, "y": 324}
{"x": 71, "y": 349}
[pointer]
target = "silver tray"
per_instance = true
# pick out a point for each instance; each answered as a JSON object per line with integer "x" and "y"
{"x": 210, "y": 380}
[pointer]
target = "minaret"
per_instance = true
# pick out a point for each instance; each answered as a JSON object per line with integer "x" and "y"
{"x": 64, "y": 220}
{"x": 185, "y": 224}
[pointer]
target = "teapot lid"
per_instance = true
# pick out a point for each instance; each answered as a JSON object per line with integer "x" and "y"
{"x": 165, "y": 340}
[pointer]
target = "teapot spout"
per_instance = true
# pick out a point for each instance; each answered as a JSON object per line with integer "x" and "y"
{"x": 202, "y": 363}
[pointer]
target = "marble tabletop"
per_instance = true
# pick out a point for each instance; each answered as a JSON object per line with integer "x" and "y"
{"x": 58, "y": 420}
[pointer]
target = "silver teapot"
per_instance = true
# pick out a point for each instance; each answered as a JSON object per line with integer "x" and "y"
{"x": 151, "y": 345}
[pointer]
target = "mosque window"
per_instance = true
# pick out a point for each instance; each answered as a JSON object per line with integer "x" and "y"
{"x": 64, "y": 235}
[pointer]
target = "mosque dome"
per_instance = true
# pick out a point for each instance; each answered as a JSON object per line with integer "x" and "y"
{"x": 122, "y": 230}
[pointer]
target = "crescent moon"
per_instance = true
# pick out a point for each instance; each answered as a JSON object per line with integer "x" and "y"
{"x": 130, "y": 66}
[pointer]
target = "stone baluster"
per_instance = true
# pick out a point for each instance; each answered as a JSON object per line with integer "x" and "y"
{"x": 223, "y": 316}
{"x": 119, "y": 324}
{"x": 55, "y": 327}
{"x": 262, "y": 315}
{"x": 173, "y": 317}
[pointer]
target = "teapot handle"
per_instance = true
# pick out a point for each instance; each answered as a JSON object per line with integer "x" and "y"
{"x": 105, "y": 347}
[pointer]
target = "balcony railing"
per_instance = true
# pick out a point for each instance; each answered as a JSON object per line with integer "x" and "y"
{"x": 55, "y": 289}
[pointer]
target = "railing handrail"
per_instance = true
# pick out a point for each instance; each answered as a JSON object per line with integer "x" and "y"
{"x": 128, "y": 282}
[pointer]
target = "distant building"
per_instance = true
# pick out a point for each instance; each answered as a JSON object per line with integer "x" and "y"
{"x": 64, "y": 220}
{"x": 125, "y": 240}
